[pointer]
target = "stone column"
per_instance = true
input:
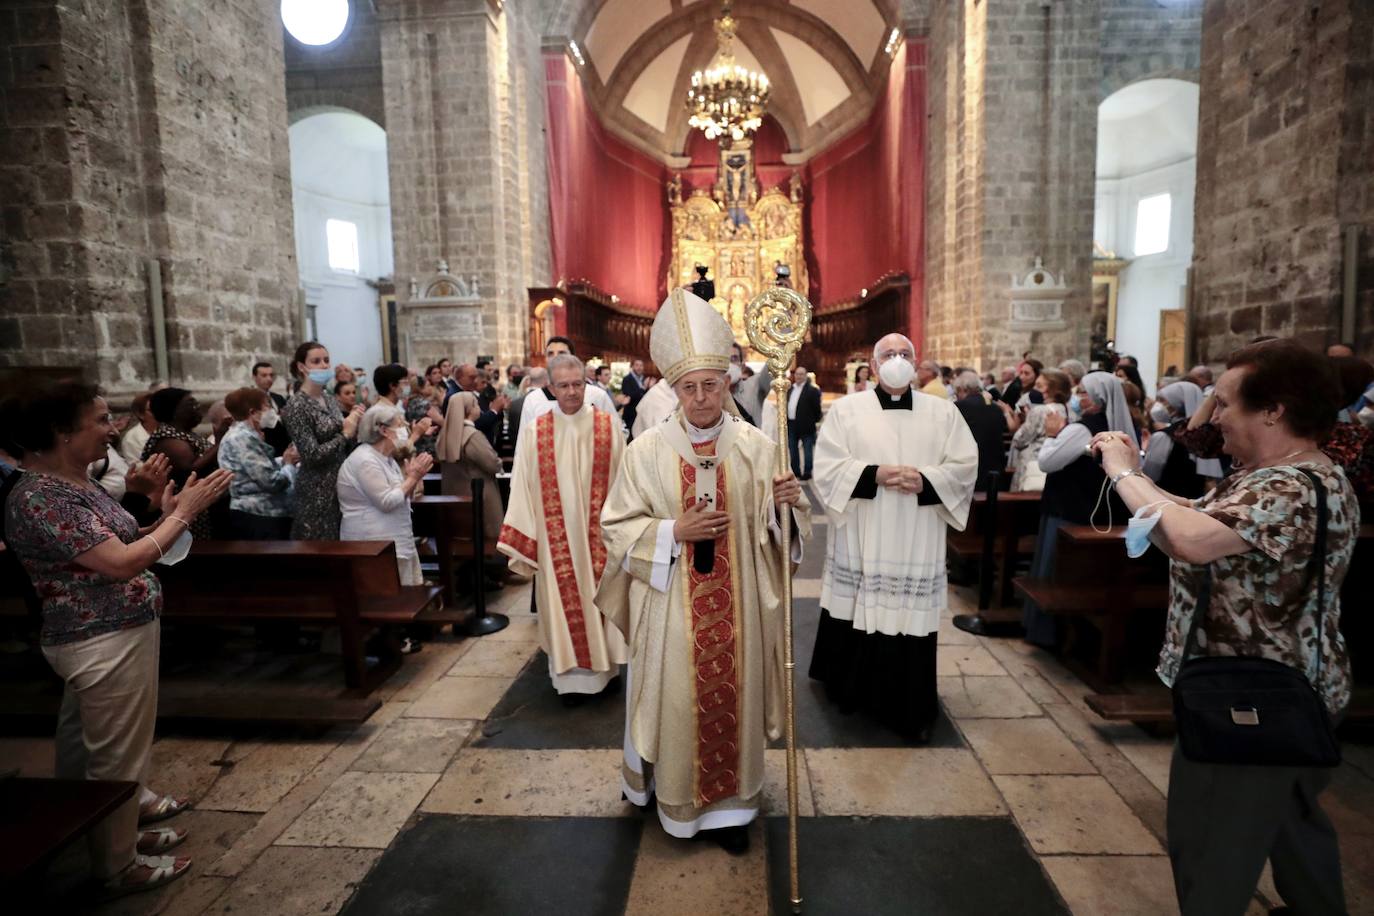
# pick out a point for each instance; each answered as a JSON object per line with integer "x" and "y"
{"x": 464, "y": 95}
{"x": 146, "y": 130}
{"x": 1014, "y": 93}
{"x": 1285, "y": 164}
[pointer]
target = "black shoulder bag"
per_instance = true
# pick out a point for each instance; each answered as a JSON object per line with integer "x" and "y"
{"x": 1235, "y": 709}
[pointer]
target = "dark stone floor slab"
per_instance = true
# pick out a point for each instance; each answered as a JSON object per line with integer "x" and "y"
{"x": 497, "y": 866}
{"x": 909, "y": 866}
{"x": 531, "y": 716}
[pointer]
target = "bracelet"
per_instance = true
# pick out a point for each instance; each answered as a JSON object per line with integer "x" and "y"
{"x": 1131, "y": 472}
{"x": 176, "y": 518}
{"x": 150, "y": 537}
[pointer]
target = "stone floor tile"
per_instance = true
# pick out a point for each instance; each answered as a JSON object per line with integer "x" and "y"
{"x": 970, "y": 661}
{"x": 459, "y": 698}
{"x": 985, "y": 698}
{"x": 415, "y": 746}
{"x": 522, "y": 627}
{"x": 419, "y": 672}
{"x": 1150, "y": 755}
{"x": 775, "y": 783}
{"x": 1023, "y": 746}
{"x": 1119, "y": 885}
{"x": 186, "y": 766}
{"x": 525, "y": 783}
{"x": 950, "y": 635}
{"x": 806, "y": 588}
{"x": 259, "y": 780}
{"x": 900, "y": 782}
{"x": 360, "y": 810}
{"x": 1075, "y": 814}
{"x": 677, "y": 878}
{"x": 290, "y": 881}
{"x": 270, "y": 826}
{"x": 493, "y": 659}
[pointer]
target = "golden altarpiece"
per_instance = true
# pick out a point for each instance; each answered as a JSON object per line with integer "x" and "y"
{"x": 740, "y": 235}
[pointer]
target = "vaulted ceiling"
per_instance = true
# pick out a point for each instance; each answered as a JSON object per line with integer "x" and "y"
{"x": 826, "y": 60}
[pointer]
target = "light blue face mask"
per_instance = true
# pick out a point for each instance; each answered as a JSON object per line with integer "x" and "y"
{"x": 1075, "y": 408}
{"x": 1138, "y": 528}
{"x": 321, "y": 376}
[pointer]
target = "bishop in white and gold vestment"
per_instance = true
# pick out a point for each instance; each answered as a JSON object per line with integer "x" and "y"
{"x": 703, "y": 617}
{"x": 895, "y": 469}
{"x": 565, "y": 465}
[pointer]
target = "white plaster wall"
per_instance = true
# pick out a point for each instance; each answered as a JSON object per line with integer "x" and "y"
{"x": 339, "y": 171}
{"x": 1151, "y": 283}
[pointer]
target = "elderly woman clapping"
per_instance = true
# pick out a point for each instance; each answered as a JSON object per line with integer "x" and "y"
{"x": 1247, "y": 581}
{"x": 375, "y": 491}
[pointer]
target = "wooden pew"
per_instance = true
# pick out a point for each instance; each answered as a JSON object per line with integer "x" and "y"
{"x": 45, "y": 816}
{"x": 1093, "y": 580}
{"x": 354, "y": 585}
{"x": 454, "y": 525}
{"x": 1155, "y": 705}
{"x": 1001, "y": 530}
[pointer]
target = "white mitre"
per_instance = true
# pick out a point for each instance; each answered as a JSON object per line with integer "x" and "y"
{"x": 688, "y": 335}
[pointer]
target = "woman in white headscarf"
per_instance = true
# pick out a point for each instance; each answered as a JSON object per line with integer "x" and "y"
{"x": 464, "y": 455}
{"x": 1167, "y": 463}
{"x": 1074, "y": 482}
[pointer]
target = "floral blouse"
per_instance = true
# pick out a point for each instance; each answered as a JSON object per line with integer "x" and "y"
{"x": 1264, "y": 601}
{"x": 48, "y": 523}
{"x": 416, "y": 409}
{"x": 261, "y": 484}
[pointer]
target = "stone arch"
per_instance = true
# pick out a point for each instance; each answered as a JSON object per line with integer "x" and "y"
{"x": 1131, "y": 72}
{"x": 302, "y": 103}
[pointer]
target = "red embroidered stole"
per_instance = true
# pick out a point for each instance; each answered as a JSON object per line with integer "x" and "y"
{"x": 565, "y": 575}
{"x": 711, "y": 605}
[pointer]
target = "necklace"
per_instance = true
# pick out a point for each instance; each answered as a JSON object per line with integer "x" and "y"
{"x": 1278, "y": 461}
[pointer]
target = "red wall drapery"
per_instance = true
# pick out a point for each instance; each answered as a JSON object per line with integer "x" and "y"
{"x": 608, "y": 217}
{"x": 866, "y": 195}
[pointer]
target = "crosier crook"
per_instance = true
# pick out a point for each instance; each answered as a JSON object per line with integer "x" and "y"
{"x": 776, "y": 321}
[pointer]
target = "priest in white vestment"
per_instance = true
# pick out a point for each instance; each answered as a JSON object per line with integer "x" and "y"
{"x": 565, "y": 465}
{"x": 693, "y": 580}
{"x": 893, "y": 470}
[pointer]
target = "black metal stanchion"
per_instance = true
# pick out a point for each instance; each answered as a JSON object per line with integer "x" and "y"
{"x": 482, "y": 622}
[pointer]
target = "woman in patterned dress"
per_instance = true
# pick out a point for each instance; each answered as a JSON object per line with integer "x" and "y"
{"x": 324, "y": 437}
{"x": 422, "y": 403}
{"x": 91, "y": 564}
{"x": 178, "y": 413}
{"x": 1243, "y": 565}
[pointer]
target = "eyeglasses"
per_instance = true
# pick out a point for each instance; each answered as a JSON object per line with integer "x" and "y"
{"x": 577, "y": 385}
{"x": 708, "y": 387}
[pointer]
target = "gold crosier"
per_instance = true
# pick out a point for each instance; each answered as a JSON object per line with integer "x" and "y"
{"x": 776, "y": 321}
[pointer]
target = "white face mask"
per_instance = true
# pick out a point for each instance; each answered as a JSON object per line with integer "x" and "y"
{"x": 735, "y": 372}
{"x": 405, "y": 391}
{"x": 269, "y": 418}
{"x": 178, "y": 551}
{"x": 897, "y": 372}
{"x": 402, "y": 435}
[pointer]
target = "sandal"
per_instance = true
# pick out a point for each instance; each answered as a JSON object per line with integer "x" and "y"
{"x": 163, "y": 808}
{"x": 160, "y": 870}
{"x": 160, "y": 839}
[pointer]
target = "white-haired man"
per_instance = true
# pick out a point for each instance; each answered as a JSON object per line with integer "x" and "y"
{"x": 693, "y": 536}
{"x": 565, "y": 464}
{"x": 892, "y": 470}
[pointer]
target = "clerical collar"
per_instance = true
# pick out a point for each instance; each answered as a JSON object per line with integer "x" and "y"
{"x": 698, "y": 435}
{"x": 894, "y": 402}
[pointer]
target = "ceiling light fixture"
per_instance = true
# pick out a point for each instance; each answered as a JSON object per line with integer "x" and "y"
{"x": 727, "y": 100}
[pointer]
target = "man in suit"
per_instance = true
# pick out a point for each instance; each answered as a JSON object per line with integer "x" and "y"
{"x": 450, "y": 385}
{"x": 987, "y": 423}
{"x": 265, "y": 376}
{"x": 632, "y": 386}
{"x": 803, "y": 415}
{"x": 489, "y": 422}
{"x": 538, "y": 379}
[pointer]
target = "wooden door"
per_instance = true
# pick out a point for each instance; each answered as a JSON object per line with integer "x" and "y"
{"x": 1173, "y": 332}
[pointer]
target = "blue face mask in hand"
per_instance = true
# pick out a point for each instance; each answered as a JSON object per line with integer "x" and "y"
{"x": 1138, "y": 529}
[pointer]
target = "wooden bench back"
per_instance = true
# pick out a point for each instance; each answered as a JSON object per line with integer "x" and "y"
{"x": 265, "y": 572}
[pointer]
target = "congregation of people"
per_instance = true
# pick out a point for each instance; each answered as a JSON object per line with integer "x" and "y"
{"x": 649, "y": 514}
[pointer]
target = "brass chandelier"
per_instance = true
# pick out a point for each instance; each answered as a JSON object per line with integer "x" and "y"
{"x": 727, "y": 100}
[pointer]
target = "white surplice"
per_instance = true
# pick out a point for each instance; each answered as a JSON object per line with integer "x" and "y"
{"x": 885, "y": 560}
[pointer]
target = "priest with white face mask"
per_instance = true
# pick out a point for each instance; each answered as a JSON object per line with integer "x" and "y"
{"x": 693, "y": 579}
{"x": 893, "y": 471}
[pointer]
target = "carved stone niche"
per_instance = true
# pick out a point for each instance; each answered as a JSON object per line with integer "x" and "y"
{"x": 447, "y": 308}
{"x": 1037, "y": 301}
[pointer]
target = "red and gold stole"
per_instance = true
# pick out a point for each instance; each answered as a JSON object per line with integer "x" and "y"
{"x": 565, "y": 574}
{"x": 711, "y": 609}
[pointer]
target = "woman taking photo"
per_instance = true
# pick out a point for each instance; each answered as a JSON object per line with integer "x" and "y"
{"x": 91, "y": 564}
{"x": 324, "y": 437}
{"x": 1244, "y": 565}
